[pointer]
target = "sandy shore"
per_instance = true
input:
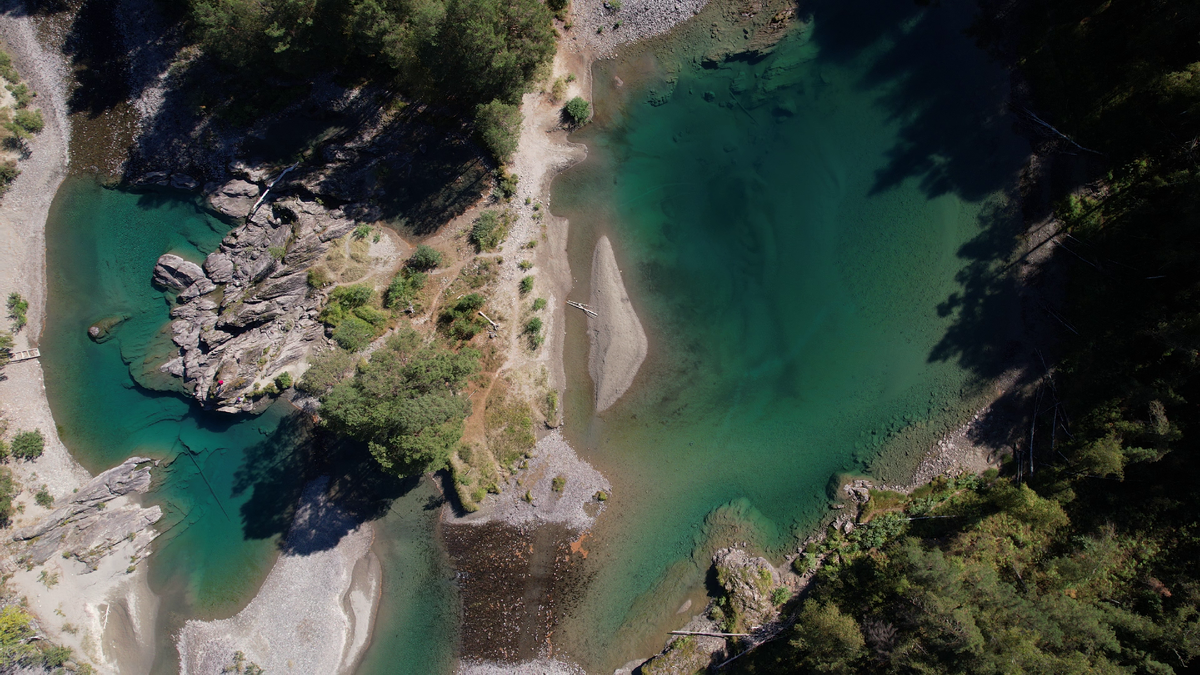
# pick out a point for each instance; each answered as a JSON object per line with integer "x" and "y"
{"x": 618, "y": 343}
{"x": 105, "y": 615}
{"x": 314, "y": 612}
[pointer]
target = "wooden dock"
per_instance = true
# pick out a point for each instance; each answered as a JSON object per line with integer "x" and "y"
{"x": 25, "y": 355}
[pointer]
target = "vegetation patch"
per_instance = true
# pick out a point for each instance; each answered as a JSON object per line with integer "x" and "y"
{"x": 490, "y": 229}
{"x": 509, "y": 426}
{"x": 404, "y": 403}
{"x": 461, "y": 320}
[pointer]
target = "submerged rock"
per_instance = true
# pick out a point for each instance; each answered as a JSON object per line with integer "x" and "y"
{"x": 176, "y": 273}
{"x": 101, "y": 331}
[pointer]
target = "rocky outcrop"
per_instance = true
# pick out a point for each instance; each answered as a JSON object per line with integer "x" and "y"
{"x": 235, "y": 198}
{"x": 250, "y": 313}
{"x": 748, "y": 583}
{"x": 90, "y": 525}
{"x": 745, "y": 607}
{"x": 176, "y": 273}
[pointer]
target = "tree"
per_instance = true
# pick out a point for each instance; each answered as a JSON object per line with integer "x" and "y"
{"x": 325, "y": 370}
{"x": 498, "y": 125}
{"x": 404, "y": 403}
{"x": 425, "y": 258}
{"x": 577, "y": 111}
{"x": 491, "y": 49}
{"x": 828, "y": 641}
{"x": 353, "y": 334}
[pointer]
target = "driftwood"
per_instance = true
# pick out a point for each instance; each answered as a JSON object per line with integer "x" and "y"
{"x": 494, "y": 324}
{"x": 706, "y": 634}
{"x": 1046, "y": 125}
{"x": 582, "y": 306}
{"x": 271, "y": 187}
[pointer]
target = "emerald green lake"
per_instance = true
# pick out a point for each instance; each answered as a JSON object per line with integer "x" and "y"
{"x": 811, "y": 241}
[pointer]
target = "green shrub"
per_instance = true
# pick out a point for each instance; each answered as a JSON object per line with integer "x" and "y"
{"x": 22, "y": 93}
{"x": 402, "y": 292}
{"x": 577, "y": 111}
{"x": 8, "y": 491}
{"x": 8, "y": 173}
{"x": 490, "y": 229}
{"x": 524, "y": 265}
{"x": 558, "y": 483}
{"x": 325, "y": 370}
{"x": 539, "y": 304}
{"x": 17, "y": 307}
{"x": 30, "y": 120}
{"x": 780, "y": 595}
{"x": 44, "y": 498}
{"x": 534, "y": 325}
{"x": 371, "y": 315}
{"x": 425, "y": 258}
{"x": 526, "y": 285}
{"x": 461, "y": 320}
{"x": 277, "y": 252}
{"x": 28, "y": 444}
{"x": 362, "y": 231}
{"x": 353, "y": 296}
{"x": 498, "y": 126}
{"x": 353, "y": 334}
{"x": 6, "y": 346}
{"x": 283, "y": 380}
{"x": 508, "y": 184}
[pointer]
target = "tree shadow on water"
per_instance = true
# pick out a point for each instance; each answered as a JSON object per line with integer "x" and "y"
{"x": 311, "y": 489}
{"x": 944, "y": 93}
{"x": 947, "y": 98}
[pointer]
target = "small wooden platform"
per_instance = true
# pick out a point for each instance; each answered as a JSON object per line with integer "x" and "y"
{"x": 25, "y": 355}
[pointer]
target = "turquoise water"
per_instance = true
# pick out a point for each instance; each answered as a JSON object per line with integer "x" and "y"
{"x": 416, "y": 627}
{"x": 227, "y": 485}
{"x": 805, "y": 237}
{"x": 223, "y": 484}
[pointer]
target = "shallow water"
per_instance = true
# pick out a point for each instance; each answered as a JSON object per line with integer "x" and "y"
{"x": 805, "y": 238}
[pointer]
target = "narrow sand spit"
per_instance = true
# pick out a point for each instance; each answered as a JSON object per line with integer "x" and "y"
{"x": 314, "y": 612}
{"x": 618, "y": 342}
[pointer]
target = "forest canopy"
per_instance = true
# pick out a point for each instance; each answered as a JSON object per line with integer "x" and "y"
{"x": 404, "y": 403}
{"x": 466, "y": 51}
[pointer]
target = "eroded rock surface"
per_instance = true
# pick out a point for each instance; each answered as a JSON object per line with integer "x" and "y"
{"x": 93, "y": 522}
{"x": 251, "y": 313}
{"x": 235, "y": 198}
{"x": 748, "y": 582}
{"x": 176, "y": 273}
